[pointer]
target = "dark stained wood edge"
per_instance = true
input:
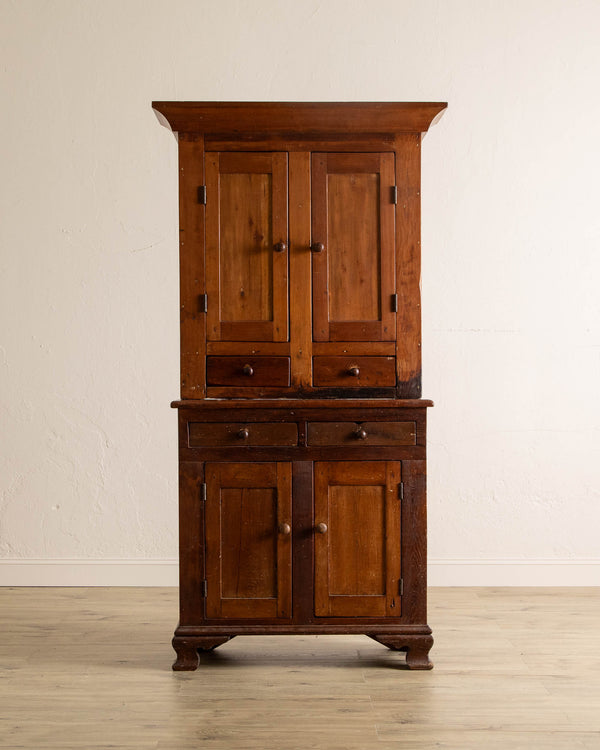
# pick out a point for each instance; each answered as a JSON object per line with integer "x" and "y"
{"x": 300, "y": 119}
{"x": 191, "y": 262}
{"x": 414, "y": 541}
{"x": 408, "y": 266}
{"x": 191, "y": 543}
{"x": 412, "y": 403}
{"x": 303, "y": 541}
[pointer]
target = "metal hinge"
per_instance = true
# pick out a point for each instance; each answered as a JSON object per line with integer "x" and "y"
{"x": 202, "y": 194}
{"x": 205, "y": 588}
{"x": 203, "y": 302}
{"x": 401, "y": 490}
{"x": 400, "y": 586}
{"x": 203, "y": 492}
{"x": 394, "y": 303}
{"x": 394, "y": 194}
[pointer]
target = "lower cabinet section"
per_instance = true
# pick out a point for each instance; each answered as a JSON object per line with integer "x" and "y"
{"x": 317, "y": 540}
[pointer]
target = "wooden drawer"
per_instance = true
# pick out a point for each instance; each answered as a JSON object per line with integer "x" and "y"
{"x": 248, "y": 371}
{"x": 362, "y": 433}
{"x": 239, "y": 434}
{"x": 354, "y": 372}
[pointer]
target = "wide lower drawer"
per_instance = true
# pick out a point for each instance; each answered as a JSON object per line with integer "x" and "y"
{"x": 354, "y": 372}
{"x": 248, "y": 371}
{"x": 362, "y": 433}
{"x": 238, "y": 434}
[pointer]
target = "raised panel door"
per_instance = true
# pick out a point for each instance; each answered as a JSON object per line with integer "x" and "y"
{"x": 246, "y": 246}
{"x": 357, "y": 539}
{"x": 248, "y": 540}
{"x": 353, "y": 243}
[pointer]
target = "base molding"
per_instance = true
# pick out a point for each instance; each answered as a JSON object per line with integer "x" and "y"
{"x": 135, "y": 572}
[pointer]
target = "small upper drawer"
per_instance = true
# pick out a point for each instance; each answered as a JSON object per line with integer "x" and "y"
{"x": 248, "y": 371}
{"x": 238, "y": 434}
{"x": 362, "y": 433}
{"x": 354, "y": 372}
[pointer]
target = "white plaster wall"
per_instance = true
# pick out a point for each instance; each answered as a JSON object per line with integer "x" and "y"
{"x": 88, "y": 263}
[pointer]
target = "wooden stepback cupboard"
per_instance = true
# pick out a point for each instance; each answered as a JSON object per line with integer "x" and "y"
{"x": 301, "y": 422}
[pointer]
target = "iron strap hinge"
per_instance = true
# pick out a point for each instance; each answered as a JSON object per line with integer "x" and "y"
{"x": 202, "y": 195}
{"x": 203, "y": 492}
{"x": 204, "y": 588}
{"x": 203, "y": 302}
{"x": 400, "y": 586}
{"x": 394, "y": 194}
{"x": 401, "y": 490}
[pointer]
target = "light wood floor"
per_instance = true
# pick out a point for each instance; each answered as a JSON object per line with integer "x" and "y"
{"x": 90, "y": 668}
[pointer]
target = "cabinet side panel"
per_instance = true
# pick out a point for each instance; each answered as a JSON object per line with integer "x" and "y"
{"x": 191, "y": 539}
{"x": 191, "y": 264}
{"x": 408, "y": 267}
{"x": 414, "y": 542}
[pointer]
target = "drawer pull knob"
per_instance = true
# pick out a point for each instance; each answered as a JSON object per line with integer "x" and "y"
{"x": 280, "y": 247}
{"x": 285, "y": 529}
{"x": 243, "y": 433}
{"x": 354, "y": 371}
{"x": 248, "y": 370}
{"x": 321, "y": 528}
{"x": 361, "y": 434}
{"x": 317, "y": 247}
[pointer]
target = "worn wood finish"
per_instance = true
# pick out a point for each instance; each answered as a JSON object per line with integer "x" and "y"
{"x": 357, "y": 547}
{"x": 246, "y": 216}
{"x": 191, "y": 263}
{"x": 361, "y": 434}
{"x": 241, "y": 434}
{"x": 408, "y": 267}
{"x": 300, "y": 270}
{"x": 248, "y": 559}
{"x": 353, "y": 221}
{"x": 354, "y": 371}
{"x": 299, "y": 119}
{"x": 248, "y": 371}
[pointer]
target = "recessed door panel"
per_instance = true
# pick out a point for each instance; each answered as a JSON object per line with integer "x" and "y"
{"x": 248, "y": 540}
{"x": 357, "y": 539}
{"x": 246, "y": 246}
{"x": 353, "y": 243}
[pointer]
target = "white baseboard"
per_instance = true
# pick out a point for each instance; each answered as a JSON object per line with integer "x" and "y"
{"x": 513, "y": 573}
{"x": 165, "y": 572}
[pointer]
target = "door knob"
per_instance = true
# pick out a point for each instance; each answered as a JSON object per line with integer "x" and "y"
{"x": 354, "y": 371}
{"x": 317, "y": 247}
{"x": 285, "y": 528}
{"x": 361, "y": 434}
{"x": 243, "y": 433}
{"x": 321, "y": 528}
{"x": 280, "y": 247}
{"x": 248, "y": 370}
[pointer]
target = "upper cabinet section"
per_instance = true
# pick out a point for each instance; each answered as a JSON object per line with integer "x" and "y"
{"x": 299, "y": 247}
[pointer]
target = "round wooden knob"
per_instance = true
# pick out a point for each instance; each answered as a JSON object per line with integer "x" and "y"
{"x": 243, "y": 433}
{"x": 361, "y": 433}
{"x": 354, "y": 371}
{"x": 285, "y": 528}
{"x": 280, "y": 247}
{"x": 321, "y": 528}
{"x": 248, "y": 370}
{"x": 317, "y": 247}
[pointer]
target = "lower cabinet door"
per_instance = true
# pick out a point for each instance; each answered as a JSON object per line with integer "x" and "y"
{"x": 357, "y": 538}
{"x": 248, "y": 547}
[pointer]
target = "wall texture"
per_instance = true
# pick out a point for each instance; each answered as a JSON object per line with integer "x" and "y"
{"x": 88, "y": 265}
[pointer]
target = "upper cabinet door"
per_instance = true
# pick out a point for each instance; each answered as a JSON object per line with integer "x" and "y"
{"x": 353, "y": 258}
{"x": 247, "y": 246}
